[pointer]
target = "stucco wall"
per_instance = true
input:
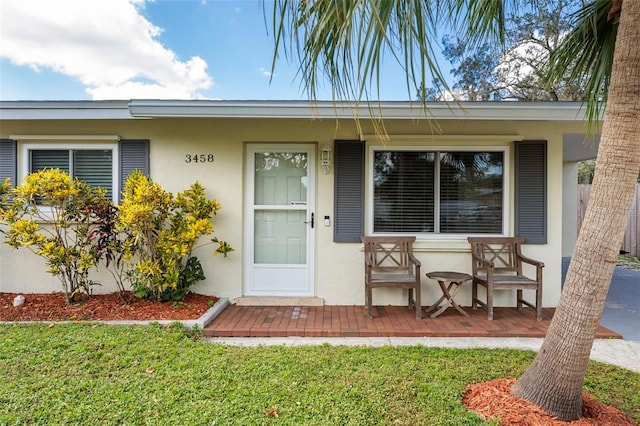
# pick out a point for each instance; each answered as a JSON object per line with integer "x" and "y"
{"x": 569, "y": 207}
{"x": 338, "y": 267}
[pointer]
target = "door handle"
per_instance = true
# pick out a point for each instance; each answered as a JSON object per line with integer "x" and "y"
{"x": 312, "y": 221}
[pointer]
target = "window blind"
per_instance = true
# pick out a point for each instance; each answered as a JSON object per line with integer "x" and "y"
{"x": 403, "y": 191}
{"x": 95, "y": 167}
{"x": 49, "y": 159}
{"x": 413, "y": 189}
{"x": 471, "y": 192}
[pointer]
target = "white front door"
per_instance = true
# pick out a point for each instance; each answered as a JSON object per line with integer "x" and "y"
{"x": 279, "y": 220}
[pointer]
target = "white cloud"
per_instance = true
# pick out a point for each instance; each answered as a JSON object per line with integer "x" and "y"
{"x": 522, "y": 62}
{"x": 266, "y": 72}
{"x": 107, "y": 45}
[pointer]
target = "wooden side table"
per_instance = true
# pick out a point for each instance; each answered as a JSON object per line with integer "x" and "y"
{"x": 448, "y": 281}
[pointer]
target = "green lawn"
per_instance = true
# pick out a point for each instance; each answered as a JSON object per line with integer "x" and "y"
{"x": 93, "y": 374}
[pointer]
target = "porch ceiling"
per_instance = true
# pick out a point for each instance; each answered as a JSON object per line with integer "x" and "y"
{"x": 579, "y": 147}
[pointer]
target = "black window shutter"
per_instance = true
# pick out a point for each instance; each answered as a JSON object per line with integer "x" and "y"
{"x": 8, "y": 161}
{"x": 134, "y": 155}
{"x": 348, "y": 224}
{"x": 531, "y": 191}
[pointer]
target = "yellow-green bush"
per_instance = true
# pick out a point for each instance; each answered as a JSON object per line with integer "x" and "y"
{"x": 148, "y": 240}
{"x": 49, "y": 214}
{"x": 162, "y": 233}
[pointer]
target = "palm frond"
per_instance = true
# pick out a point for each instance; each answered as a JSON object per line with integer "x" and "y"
{"x": 481, "y": 20}
{"x": 345, "y": 43}
{"x": 586, "y": 54}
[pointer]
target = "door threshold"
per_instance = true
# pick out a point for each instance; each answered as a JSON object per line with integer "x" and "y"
{"x": 279, "y": 301}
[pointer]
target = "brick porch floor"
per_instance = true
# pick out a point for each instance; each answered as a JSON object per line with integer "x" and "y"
{"x": 388, "y": 321}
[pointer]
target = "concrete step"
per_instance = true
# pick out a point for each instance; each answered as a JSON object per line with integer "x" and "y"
{"x": 279, "y": 301}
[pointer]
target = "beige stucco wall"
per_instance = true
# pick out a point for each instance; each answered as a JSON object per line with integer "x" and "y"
{"x": 338, "y": 267}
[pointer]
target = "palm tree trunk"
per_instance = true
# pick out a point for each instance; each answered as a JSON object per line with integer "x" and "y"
{"x": 554, "y": 380}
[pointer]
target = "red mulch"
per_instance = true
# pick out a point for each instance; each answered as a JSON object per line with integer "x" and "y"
{"x": 493, "y": 400}
{"x": 105, "y": 307}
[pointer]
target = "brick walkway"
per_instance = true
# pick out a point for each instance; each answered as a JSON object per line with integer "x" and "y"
{"x": 350, "y": 321}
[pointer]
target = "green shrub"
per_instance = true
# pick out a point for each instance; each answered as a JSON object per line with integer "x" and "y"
{"x": 51, "y": 215}
{"x": 109, "y": 242}
{"x": 147, "y": 241}
{"x": 162, "y": 231}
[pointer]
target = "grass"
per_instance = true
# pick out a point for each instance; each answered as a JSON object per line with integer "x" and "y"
{"x": 628, "y": 258}
{"x": 109, "y": 375}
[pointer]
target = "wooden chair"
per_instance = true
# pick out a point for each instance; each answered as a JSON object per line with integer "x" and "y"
{"x": 389, "y": 262}
{"x": 497, "y": 264}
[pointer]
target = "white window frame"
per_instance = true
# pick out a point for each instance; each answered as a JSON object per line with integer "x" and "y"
{"x": 31, "y": 143}
{"x": 506, "y": 182}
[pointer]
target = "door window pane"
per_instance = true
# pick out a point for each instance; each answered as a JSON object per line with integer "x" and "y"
{"x": 280, "y": 237}
{"x": 281, "y": 178}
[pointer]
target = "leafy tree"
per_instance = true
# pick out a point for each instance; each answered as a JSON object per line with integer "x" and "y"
{"x": 475, "y": 72}
{"x": 585, "y": 171}
{"x": 345, "y": 43}
{"x": 521, "y": 71}
{"x": 534, "y": 36}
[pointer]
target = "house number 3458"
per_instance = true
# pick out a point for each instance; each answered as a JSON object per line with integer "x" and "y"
{"x": 198, "y": 158}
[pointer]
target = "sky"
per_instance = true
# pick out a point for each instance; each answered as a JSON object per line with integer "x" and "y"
{"x": 147, "y": 49}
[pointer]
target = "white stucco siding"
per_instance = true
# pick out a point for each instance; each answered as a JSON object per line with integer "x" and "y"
{"x": 338, "y": 266}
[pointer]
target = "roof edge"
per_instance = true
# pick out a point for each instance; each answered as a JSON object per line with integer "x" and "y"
{"x": 64, "y": 110}
{"x": 399, "y": 110}
{"x": 390, "y": 110}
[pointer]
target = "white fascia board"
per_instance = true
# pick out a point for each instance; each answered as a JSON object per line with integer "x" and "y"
{"x": 509, "y": 110}
{"x": 137, "y": 109}
{"x": 64, "y": 110}
{"x": 239, "y": 109}
{"x": 525, "y": 111}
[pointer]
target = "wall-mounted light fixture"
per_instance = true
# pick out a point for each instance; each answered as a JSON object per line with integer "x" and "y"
{"x": 325, "y": 159}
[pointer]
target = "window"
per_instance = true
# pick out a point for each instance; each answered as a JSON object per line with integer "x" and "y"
{"x": 438, "y": 191}
{"x": 95, "y": 164}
